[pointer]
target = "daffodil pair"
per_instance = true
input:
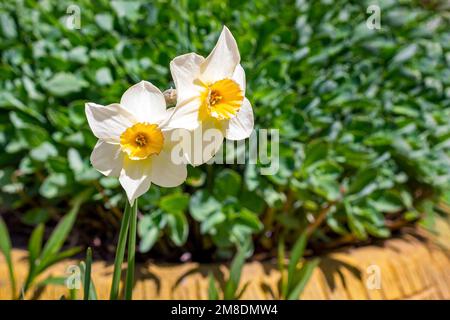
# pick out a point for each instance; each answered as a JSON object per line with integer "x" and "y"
{"x": 136, "y": 136}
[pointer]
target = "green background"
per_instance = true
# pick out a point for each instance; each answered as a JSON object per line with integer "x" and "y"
{"x": 363, "y": 118}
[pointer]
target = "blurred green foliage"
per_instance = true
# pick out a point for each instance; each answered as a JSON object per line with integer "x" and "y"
{"x": 363, "y": 114}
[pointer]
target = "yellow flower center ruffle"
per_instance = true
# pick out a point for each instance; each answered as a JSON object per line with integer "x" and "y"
{"x": 220, "y": 100}
{"x": 142, "y": 140}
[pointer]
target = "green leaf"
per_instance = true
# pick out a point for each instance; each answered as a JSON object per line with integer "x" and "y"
{"x": 103, "y": 76}
{"x": 315, "y": 151}
{"x": 178, "y": 228}
{"x": 148, "y": 239}
{"x": 127, "y": 9}
{"x": 354, "y": 224}
{"x": 326, "y": 187}
{"x": 174, "y": 203}
{"x": 62, "y": 230}
{"x": 208, "y": 225}
{"x": 213, "y": 293}
{"x": 75, "y": 161}
{"x": 63, "y": 83}
{"x": 35, "y": 246}
{"x": 294, "y": 259}
{"x": 362, "y": 179}
{"x": 227, "y": 184}
{"x": 57, "y": 257}
{"x": 35, "y": 216}
{"x": 235, "y": 274}
{"x": 8, "y": 25}
{"x": 104, "y": 21}
{"x": 87, "y": 274}
{"x": 52, "y": 185}
{"x": 202, "y": 205}
{"x": 5, "y": 248}
{"x": 120, "y": 252}
{"x": 92, "y": 290}
{"x": 304, "y": 276}
{"x": 43, "y": 152}
{"x": 387, "y": 202}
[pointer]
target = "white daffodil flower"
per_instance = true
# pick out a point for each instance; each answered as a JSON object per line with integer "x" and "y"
{"x": 135, "y": 143}
{"x": 211, "y": 95}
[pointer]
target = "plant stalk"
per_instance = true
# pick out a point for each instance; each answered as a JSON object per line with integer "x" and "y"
{"x": 120, "y": 252}
{"x": 131, "y": 253}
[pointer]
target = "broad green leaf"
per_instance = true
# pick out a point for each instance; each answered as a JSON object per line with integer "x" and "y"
{"x": 148, "y": 239}
{"x": 227, "y": 184}
{"x": 202, "y": 205}
{"x": 8, "y": 25}
{"x": 174, "y": 203}
{"x": 178, "y": 227}
{"x": 62, "y": 84}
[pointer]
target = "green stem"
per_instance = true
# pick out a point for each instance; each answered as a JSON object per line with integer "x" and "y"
{"x": 131, "y": 253}
{"x": 87, "y": 276}
{"x": 120, "y": 252}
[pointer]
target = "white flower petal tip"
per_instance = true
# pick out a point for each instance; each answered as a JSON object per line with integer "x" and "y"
{"x": 223, "y": 59}
{"x": 145, "y": 101}
{"x": 241, "y": 126}
{"x": 108, "y": 122}
{"x": 135, "y": 178}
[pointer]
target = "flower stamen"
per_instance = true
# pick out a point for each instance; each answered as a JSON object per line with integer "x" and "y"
{"x": 221, "y": 100}
{"x": 142, "y": 140}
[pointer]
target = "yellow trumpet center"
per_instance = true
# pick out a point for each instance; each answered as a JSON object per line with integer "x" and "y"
{"x": 142, "y": 140}
{"x": 221, "y": 100}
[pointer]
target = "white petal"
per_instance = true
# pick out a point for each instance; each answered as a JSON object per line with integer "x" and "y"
{"x": 107, "y": 158}
{"x": 222, "y": 61}
{"x": 202, "y": 144}
{"x": 239, "y": 77}
{"x": 135, "y": 177}
{"x": 185, "y": 71}
{"x": 185, "y": 115}
{"x": 165, "y": 173}
{"x": 145, "y": 101}
{"x": 108, "y": 122}
{"x": 240, "y": 127}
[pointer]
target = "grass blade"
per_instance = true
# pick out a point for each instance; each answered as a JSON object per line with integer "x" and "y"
{"x": 56, "y": 258}
{"x": 120, "y": 252}
{"x": 62, "y": 230}
{"x": 305, "y": 273}
{"x": 213, "y": 293}
{"x": 296, "y": 254}
{"x": 281, "y": 256}
{"x": 92, "y": 291}
{"x": 87, "y": 274}
{"x": 131, "y": 253}
{"x": 5, "y": 248}
{"x": 235, "y": 274}
{"x": 35, "y": 246}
